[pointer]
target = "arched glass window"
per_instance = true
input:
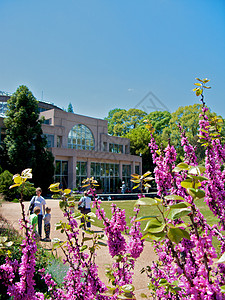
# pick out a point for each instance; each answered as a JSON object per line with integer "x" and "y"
{"x": 81, "y": 137}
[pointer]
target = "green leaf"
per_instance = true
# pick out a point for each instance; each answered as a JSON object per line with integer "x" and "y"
{"x": 91, "y": 215}
{"x": 55, "y": 190}
{"x": 177, "y": 234}
{"x": 145, "y": 218}
{"x": 14, "y": 185}
{"x": 156, "y": 229}
{"x": 102, "y": 244}
{"x": 87, "y": 239}
{"x": 8, "y": 244}
{"x": 196, "y": 193}
{"x": 187, "y": 183}
{"x": 145, "y": 201}
{"x": 3, "y": 239}
{"x": 54, "y": 185}
{"x": 153, "y": 224}
{"x": 89, "y": 231}
{"x": 201, "y": 136}
{"x": 148, "y": 178}
{"x": 181, "y": 225}
{"x": 183, "y": 166}
{"x": 127, "y": 288}
{"x": 56, "y": 196}
{"x": 203, "y": 130}
{"x": 198, "y": 170}
{"x": 178, "y": 213}
{"x": 180, "y": 205}
{"x": 155, "y": 237}
{"x": 198, "y": 84}
{"x": 173, "y": 197}
{"x": 62, "y": 204}
{"x": 199, "y": 79}
{"x": 222, "y": 259}
{"x": 163, "y": 281}
{"x": 198, "y": 92}
{"x": 222, "y": 289}
{"x": 84, "y": 247}
{"x": 176, "y": 169}
{"x": 136, "y": 186}
{"x": 66, "y": 191}
{"x": 58, "y": 226}
{"x": 135, "y": 180}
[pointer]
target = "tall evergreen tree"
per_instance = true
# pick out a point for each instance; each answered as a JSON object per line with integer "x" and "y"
{"x": 70, "y": 108}
{"x": 24, "y": 141}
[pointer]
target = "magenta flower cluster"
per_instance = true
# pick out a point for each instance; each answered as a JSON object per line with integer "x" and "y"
{"x": 189, "y": 267}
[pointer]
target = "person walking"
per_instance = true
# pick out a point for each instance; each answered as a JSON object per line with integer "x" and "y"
{"x": 123, "y": 187}
{"x": 38, "y": 201}
{"x": 47, "y": 226}
{"x": 85, "y": 201}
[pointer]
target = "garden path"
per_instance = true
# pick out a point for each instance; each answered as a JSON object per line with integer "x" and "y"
{"x": 12, "y": 212}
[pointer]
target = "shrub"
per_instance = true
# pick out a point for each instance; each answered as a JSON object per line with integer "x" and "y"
{"x": 5, "y": 182}
{"x": 12, "y": 194}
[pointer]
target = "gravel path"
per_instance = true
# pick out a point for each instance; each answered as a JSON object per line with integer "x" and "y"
{"x": 12, "y": 212}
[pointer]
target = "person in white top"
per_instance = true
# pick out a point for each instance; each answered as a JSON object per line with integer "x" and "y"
{"x": 86, "y": 201}
{"x": 38, "y": 201}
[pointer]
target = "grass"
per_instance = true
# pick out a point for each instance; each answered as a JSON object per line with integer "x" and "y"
{"x": 128, "y": 205}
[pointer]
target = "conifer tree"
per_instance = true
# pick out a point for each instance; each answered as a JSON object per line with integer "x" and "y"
{"x": 24, "y": 141}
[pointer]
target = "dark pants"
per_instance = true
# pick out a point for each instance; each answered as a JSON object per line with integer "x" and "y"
{"x": 86, "y": 211}
{"x": 40, "y": 217}
{"x": 47, "y": 230}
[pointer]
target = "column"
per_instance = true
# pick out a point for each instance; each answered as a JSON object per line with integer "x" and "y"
{"x": 89, "y": 168}
{"x": 121, "y": 170}
{"x": 72, "y": 162}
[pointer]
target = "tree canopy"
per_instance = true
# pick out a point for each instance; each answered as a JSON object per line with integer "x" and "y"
{"x": 24, "y": 141}
{"x": 121, "y": 121}
{"x": 188, "y": 118}
{"x": 130, "y": 124}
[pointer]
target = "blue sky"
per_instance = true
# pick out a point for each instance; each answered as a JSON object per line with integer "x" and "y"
{"x": 102, "y": 54}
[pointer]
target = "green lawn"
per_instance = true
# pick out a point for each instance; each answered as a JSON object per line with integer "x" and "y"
{"x": 128, "y": 205}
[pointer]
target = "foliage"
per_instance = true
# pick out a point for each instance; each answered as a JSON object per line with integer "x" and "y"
{"x": 11, "y": 194}
{"x": 57, "y": 269}
{"x": 24, "y": 143}
{"x": 5, "y": 182}
{"x": 122, "y": 121}
{"x": 111, "y": 122}
{"x": 139, "y": 139}
{"x": 70, "y": 108}
{"x": 159, "y": 120}
{"x": 187, "y": 118}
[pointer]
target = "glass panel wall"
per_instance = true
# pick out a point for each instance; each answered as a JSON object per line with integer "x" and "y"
{"x": 126, "y": 175}
{"x": 115, "y": 148}
{"x": 81, "y": 137}
{"x": 61, "y": 173}
{"x": 107, "y": 176}
{"x": 81, "y": 172}
{"x": 137, "y": 170}
{"x": 50, "y": 140}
